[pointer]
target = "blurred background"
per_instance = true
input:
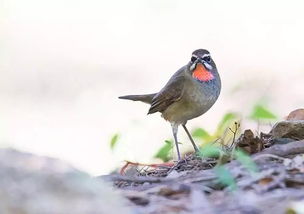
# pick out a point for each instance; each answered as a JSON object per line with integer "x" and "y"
{"x": 63, "y": 64}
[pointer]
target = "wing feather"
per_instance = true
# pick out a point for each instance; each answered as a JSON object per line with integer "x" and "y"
{"x": 171, "y": 93}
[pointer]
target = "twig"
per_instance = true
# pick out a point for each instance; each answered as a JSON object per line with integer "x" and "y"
{"x": 130, "y": 163}
{"x": 114, "y": 178}
{"x": 200, "y": 179}
{"x": 176, "y": 165}
{"x": 293, "y": 148}
{"x": 259, "y": 156}
{"x": 137, "y": 179}
{"x": 237, "y": 125}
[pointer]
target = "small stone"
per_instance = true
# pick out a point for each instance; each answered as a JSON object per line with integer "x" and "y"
{"x": 297, "y": 114}
{"x": 288, "y": 129}
{"x": 249, "y": 143}
{"x": 139, "y": 200}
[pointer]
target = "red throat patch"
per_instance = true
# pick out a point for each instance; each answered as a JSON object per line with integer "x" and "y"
{"x": 202, "y": 74}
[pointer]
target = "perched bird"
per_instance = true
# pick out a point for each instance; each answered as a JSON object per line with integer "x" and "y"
{"x": 189, "y": 93}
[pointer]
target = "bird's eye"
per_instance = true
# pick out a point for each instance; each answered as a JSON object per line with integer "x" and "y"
{"x": 207, "y": 59}
{"x": 193, "y": 59}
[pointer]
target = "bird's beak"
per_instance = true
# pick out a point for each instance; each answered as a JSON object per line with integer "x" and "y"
{"x": 206, "y": 64}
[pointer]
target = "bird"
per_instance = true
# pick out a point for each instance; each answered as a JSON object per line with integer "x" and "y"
{"x": 189, "y": 93}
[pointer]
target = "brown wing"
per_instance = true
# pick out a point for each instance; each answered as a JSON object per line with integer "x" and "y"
{"x": 171, "y": 93}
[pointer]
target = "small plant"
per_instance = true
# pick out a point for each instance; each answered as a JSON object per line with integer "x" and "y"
{"x": 164, "y": 153}
{"x": 224, "y": 154}
{"x": 211, "y": 151}
{"x": 202, "y": 134}
{"x": 225, "y": 177}
{"x": 260, "y": 112}
{"x": 245, "y": 160}
{"x": 114, "y": 140}
{"x": 222, "y": 131}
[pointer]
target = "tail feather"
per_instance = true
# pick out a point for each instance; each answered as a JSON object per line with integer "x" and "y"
{"x": 146, "y": 98}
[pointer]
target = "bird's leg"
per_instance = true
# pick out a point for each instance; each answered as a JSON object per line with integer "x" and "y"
{"x": 192, "y": 141}
{"x": 174, "y": 130}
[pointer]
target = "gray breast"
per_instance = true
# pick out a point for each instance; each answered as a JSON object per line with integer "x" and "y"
{"x": 202, "y": 96}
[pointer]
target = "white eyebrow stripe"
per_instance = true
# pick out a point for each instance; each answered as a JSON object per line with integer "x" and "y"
{"x": 205, "y": 55}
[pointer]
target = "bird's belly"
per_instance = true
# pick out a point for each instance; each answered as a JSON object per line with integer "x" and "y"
{"x": 194, "y": 105}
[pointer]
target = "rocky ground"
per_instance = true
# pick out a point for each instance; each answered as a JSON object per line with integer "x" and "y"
{"x": 270, "y": 180}
{"x": 199, "y": 185}
{"x": 31, "y": 184}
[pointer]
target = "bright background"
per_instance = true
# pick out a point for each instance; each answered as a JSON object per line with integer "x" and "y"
{"x": 63, "y": 63}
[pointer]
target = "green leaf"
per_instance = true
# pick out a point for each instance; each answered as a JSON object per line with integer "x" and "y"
{"x": 164, "y": 152}
{"x": 210, "y": 150}
{"x": 114, "y": 141}
{"x": 246, "y": 161}
{"x": 226, "y": 121}
{"x": 201, "y": 133}
{"x": 261, "y": 112}
{"x": 225, "y": 177}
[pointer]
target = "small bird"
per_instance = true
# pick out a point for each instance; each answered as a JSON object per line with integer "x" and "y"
{"x": 189, "y": 93}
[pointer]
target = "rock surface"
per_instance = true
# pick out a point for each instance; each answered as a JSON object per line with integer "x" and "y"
{"x": 32, "y": 184}
{"x": 288, "y": 129}
{"x": 297, "y": 114}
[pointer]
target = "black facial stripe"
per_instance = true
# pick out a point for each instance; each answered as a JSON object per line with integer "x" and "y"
{"x": 207, "y": 58}
{"x": 193, "y": 58}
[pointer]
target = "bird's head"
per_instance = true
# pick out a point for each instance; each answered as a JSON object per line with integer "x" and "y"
{"x": 201, "y": 65}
